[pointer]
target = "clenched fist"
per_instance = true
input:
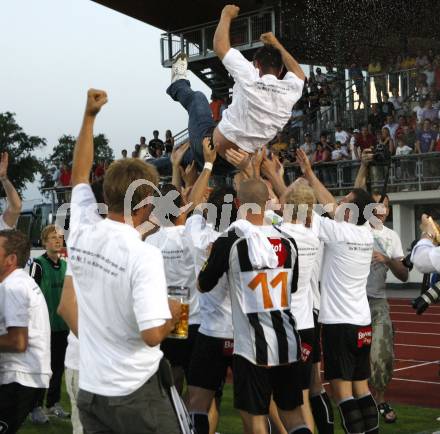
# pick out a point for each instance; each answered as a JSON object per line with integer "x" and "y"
{"x": 231, "y": 11}
{"x": 269, "y": 39}
{"x": 95, "y": 100}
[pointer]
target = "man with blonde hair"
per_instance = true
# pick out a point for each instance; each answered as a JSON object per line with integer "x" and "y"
{"x": 48, "y": 271}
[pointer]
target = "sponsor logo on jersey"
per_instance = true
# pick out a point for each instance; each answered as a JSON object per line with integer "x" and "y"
{"x": 364, "y": 336}
{"x": 306, "y": 350}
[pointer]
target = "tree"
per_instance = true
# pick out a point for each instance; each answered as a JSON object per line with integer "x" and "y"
{"x": 23, "y": 164}
{"x": 63, "y": 154}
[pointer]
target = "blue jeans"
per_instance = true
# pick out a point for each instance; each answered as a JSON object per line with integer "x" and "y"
{"x": 200, "y": 124}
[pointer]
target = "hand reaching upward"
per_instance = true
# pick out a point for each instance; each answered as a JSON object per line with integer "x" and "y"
{"x": 95, "y": 100}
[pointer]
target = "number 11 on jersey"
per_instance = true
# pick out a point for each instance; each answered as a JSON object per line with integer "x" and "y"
{"x": 261, "y": 279}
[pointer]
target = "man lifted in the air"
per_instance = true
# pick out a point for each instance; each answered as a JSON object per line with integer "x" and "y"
{"x": 261, "y": 103}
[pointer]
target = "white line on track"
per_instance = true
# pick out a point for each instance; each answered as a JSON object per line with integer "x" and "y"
{"x": 418, "y": 346}
{"x": 416, "y": 322}
{"x": 432, "y": 306}
{"x": 416, "y": 333}
{"x": 412, "y": 313}
{"x": 412, "y": 360}
{"x": 417, "y": 381}
{"x": 416, "y": 366}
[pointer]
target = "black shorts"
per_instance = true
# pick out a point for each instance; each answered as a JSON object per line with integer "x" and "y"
{"x": 346, "y": 351}
{"x": 210, "y": 361}
{"x": 255, "y": 385}
{"x": 178, "y": 351}
{"x": 317, "y": 349}
{"x": 307, "y": 340}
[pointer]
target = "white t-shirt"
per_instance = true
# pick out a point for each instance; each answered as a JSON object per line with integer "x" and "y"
{"x": 302, "y": 300}
{"x": 215, "y": 305}
{"x": 426, "y": 257}
{"x": 338, "y": 154}
{"x": 341, "y": 136}
{"x": 345, "y": 270}
{"x": 121, "y": 290}
{"x": 403, "y": 150}
{"x": 261, "y": 106}
{"x": 22, "y": 304}
{"x": 179, "y": 264}
{"x": 387, "y": 242}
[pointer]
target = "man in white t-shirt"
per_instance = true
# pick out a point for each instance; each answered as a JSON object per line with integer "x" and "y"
{"x": 344, "y": 311}
{"x": 341, "y": 135}
{"x": 426, "y": 253}
{"x": 123, "y": 311}
{"x": 9, "y": 218}
{"x": 387, "y": 255}
{"x": 24, "y": 334}
{"x": 261, "y": 101}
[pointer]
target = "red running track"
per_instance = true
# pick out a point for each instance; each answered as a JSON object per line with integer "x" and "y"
{"x": 417, "y": 351}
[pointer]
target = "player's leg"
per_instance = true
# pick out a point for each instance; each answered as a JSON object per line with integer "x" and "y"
{"x": 367, "y": 406}
{"x": 382, "y": 355}
{"x": 276, "y": 424}
{"x": 200, "y": 121}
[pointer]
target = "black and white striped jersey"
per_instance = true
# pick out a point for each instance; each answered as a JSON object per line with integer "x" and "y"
{"x": 264, "y": 327}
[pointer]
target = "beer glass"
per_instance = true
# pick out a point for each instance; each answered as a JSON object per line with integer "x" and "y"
{"x": 180, "y": 293}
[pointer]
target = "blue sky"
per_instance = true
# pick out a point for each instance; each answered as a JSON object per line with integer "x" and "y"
{"x": 54, "y": 50}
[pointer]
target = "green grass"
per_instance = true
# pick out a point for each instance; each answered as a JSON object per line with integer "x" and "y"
{"x": 411, "y": 420}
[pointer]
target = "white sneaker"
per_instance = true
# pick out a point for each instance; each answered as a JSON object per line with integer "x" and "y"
{"x": 179, "y": 68}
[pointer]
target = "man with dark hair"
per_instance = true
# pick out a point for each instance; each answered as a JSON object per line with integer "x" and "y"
{"x": 261, "y": 103}
{"x": 344, "y": 310}
{"x": 24, "y": 334}
{"x": 155, "y": 145}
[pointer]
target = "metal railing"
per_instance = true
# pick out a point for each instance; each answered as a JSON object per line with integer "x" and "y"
{"x": 197, "y": 42}
{"x": 418, "y": 172}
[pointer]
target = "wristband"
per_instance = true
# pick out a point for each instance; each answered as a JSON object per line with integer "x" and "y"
{"x": 208, "y": 166}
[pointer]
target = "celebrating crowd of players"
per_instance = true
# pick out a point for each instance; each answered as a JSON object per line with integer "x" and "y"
{"x": 266, "y": 288}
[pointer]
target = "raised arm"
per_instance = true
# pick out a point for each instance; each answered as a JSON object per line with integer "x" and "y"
{"x": 222, "y": 42}
{"x": 12, "y": 212}
{"x": 289, "y": 62}
{"x": 362, "y": 175}
{"x": 323, "y": 196}
{"x": 83, "y": 153}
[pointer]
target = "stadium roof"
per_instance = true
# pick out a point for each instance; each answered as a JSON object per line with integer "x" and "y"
{"x": 318, "y": 31}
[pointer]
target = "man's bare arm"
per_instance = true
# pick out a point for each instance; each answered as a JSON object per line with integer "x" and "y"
{"x": 12, "y": 212}
{"x": 289, "y": 62}
{"x": 323, "y": 196}
{"x": 83, "y": 153}
{"x": 15, "y": 341}
{"x": 362, "y": 175}
{"x": 222, "y": 42}
{"x": 68, "y": 307}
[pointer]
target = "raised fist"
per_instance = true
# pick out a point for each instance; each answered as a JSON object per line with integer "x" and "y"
{"x": 231, "y": 11}
{"x": 269, "y": 39}
{"x": 95, "y": 100}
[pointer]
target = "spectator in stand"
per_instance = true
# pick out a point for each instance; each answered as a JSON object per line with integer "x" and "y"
{"x": 377, "y": 71}
{"x": 308, "y": 147}
{"x": 402, "y": 148}
{"x": 124, "y": 154}
{"x": 325, "y": 102}
{"x": 339, "y": 153}
{"x": 353, "y": 146}
{"x": 429, "y": 74}
{"x": 341, "y": 135}
{"x": 437, "y": 73}
{"x": 320, "y": 78}
{"x": 408, "y": 136}
{"x": 296, "y": 121}
{"x": 48, "y": 271}
{"x": 429, "y": 112}
{"x": 393, "y": 70}
{"x": 99, "y": 170}
{"x": 155, "y": 145}
{"x": 376, "y": 118}
{"x": 355, "y": 74}
{"x": 392, "y": 125}
{"x": 280, "y": 144}
{"x": 135, "y": 154}
{"x": 323, "y": 155}
{"x": 65, "y": 175}
{"x": 365, "y": 140}
{"x": 387, "y": 107}
{"x": 169, "y": 142}
{"x": 396, "y": 100}
{"x": 386, "y": 140}
{"x": 141, "y": 148}
{"x": 399, "y": 131}
{"x": 421, "y": 60}
{"x": 426, "y": 138}
{"x": 422, "y": 85}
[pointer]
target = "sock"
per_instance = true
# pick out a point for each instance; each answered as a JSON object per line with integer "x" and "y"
{"x": 300, "y": 430}
{"x": 201, "y": 422}
{"x": 351, "y": 416}
{"x": 367, "y": 406}
{"x": 323, "y": 413}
